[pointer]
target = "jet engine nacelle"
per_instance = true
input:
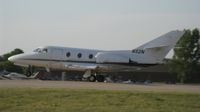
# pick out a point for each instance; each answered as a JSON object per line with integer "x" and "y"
{"x": 106, "y": 57}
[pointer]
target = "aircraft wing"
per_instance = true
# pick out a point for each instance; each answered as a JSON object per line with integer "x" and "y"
{"x": 79, "y": 66}
{"x": 99, "y": 67}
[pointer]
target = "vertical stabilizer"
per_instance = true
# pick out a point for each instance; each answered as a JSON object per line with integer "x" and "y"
{"x": 155, "y": 51}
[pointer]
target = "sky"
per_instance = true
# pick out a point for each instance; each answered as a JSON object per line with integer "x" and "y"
{"x": 93, "y": 24}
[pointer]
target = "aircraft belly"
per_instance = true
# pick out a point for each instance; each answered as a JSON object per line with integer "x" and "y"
{"x": 56, "y": 65}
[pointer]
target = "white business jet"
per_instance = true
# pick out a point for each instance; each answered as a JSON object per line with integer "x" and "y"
{"x": 94, "y": 61}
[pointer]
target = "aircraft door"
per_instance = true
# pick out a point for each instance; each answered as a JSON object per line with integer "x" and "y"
{"x": 56, "y": 58}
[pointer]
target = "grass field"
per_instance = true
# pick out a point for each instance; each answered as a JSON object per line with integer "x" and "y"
{"x": 67, "y": 100}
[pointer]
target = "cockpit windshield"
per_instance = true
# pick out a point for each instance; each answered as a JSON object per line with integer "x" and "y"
{"x": 41, "y": 50}
{"x": 37, "y": 50}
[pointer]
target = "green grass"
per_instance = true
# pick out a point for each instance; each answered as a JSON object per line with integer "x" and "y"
{"x": 66, "y": 100}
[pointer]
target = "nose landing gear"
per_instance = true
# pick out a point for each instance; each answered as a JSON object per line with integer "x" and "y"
{"x": 29, "y": 71}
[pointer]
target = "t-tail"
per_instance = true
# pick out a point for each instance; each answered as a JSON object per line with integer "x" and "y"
{"x": 155, "y": 51}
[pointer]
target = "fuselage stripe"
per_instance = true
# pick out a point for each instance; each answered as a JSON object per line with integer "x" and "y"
{"x": 93, "y": 62}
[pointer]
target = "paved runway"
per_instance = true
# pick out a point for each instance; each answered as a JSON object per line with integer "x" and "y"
{"x": 154, "y": 87}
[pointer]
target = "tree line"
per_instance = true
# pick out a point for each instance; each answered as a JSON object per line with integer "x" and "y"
{"x": 185, "y": 63}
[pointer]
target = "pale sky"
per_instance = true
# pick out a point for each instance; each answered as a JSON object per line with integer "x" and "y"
{"x": 93, "y": 24}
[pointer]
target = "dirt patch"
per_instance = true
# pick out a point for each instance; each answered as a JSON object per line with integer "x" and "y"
{"x": 155, "y": 87}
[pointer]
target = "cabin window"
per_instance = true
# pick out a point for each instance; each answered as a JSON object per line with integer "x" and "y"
{"x": 79, "y": 55}
{"x": 90, "y": 56}
{"x": 68, "y": 54}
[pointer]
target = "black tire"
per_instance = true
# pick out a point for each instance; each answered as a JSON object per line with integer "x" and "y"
{"x": 100, "y": 78}
{"x": 92, "y": 78}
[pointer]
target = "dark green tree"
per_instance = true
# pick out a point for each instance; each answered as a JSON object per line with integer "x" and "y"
{"x": 1, "y": 58}
{"x": 9, "y": 66}
{"x": 186, "y": 56}
{"x": 14, "y": 52}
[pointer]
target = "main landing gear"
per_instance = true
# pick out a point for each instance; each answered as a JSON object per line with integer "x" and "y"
{"x": 92, "y": 77}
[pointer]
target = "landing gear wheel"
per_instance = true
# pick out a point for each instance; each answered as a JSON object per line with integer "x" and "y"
{"x": 100, "y": 78}
{"x": 29, "y": 71}
{"x": 92, "y": 78}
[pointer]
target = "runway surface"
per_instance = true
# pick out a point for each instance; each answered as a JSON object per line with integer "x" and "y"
{"x": 154, "y": 87}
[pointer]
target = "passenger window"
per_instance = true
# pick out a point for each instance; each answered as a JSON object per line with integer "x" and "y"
{"x": 79, "y": 55}
{"x": 90, "y": 56}
{"x": 68, "y": 54}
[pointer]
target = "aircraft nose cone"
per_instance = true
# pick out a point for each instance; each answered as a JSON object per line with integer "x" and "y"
{"x": 12, "y": 59}
{"x": 19, "y": 59}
